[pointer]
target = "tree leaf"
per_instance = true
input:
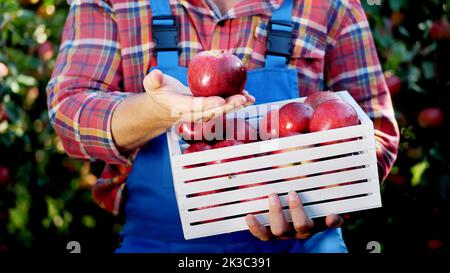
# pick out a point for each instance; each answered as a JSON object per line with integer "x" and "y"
{"x": 396, "y": 5}
{"x": 428, "y": 70}
{"x": 417, "y": 172}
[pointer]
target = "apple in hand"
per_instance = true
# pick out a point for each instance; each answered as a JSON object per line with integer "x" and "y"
{"x": 333, "y": 114}
{"x": 216, "y": 73}
{"x": 316, "y": 98}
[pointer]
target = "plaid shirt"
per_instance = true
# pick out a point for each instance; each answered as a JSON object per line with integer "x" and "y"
{"x": 107, "y": 49}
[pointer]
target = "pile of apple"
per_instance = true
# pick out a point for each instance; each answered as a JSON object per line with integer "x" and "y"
{"x": 218, "y": 73}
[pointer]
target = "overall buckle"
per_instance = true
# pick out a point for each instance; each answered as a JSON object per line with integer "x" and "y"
{"x": 279, "y": 42}
{"x": 165, "y": 33}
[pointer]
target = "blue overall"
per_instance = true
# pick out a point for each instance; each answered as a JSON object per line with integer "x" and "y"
{"x": 152, "y": 219}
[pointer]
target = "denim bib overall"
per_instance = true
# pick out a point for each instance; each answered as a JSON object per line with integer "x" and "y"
{"x": 152, "y": 219}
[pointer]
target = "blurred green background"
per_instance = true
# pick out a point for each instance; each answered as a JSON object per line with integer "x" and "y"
{"x": 45, "y": 198}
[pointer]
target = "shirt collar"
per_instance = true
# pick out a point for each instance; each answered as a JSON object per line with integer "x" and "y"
{"x": 243, "y": 8}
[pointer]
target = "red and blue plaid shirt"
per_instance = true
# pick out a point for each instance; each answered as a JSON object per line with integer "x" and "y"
{"x": 107, "y": 49}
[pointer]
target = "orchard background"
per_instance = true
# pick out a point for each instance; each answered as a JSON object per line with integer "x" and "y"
{"x": 45, "y": 198}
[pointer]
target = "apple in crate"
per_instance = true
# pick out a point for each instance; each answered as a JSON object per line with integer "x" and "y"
{"x": 333, "y": 114}
{"x": 268, "y": 126}
{"x": 223, "y": 128}
{"x": 190, "y": 131}
{"x": 196, "y": 147}
{"x": 293, "y": 118}
{"x": 239, "y": 129}
{"x": 228, "y": 143}
{"x": 216, "y": 73}
{"x": 317, "y": 98}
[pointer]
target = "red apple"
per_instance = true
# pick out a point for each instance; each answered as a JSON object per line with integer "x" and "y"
{"x": 197, "y": 147}
{"x": 222, "y": 128}
{"x": 227, "y": 143}
{"x": 430, "y": 117}
{"x": 393, "y": 82}
{"x": 216, "y": 73}
{"x": 240, "y": 129}
{"x": 434, "y": 244}
{"x": 333, "y": 114}
{"x": 4, "y": 175}
{"x": 269, "y": 126}
{"x": 317, "y": 98}
{"x": 46, "y": 51}
{"x": 190, "y": 131}
{"x": 3, "y": 114}
{"x": 440, "y": 30}
{"x": 398, "y": 180}
{"x": 294, "y": 118}
{"x": 214, "y": 129}
{"x": 291, "y": 119}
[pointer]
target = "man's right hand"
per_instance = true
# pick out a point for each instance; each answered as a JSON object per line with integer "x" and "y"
{"x": 176, "y": 102}
{"x": 144, "y": 116}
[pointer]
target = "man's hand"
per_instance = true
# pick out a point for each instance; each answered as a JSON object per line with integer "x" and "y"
{"x": 144, "y": 116}
{"x": 176, "y": 102}
{"x": 302, "y": 226}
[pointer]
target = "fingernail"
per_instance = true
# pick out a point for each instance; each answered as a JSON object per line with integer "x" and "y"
{"x": 292, "y": 196}
{"x": 273, "y": 199}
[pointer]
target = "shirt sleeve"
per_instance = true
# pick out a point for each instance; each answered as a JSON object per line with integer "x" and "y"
{"x": 85, "y": 87}
{"x": 352, "y": 64}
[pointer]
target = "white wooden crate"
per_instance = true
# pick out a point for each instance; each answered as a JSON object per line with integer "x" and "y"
{"x": 334, "y": 178}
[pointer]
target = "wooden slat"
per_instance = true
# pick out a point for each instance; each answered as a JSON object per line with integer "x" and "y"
{"x": 281, "y": 187}
{"x": 277, "y": 159}
{"x": 279, "y": 173}
{"x": 313, "y": 211}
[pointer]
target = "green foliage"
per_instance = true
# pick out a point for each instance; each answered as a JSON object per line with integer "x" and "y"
{"x": 45, "y": 199}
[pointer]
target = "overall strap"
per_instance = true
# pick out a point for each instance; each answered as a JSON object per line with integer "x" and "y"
{"x": 165, "y": 34}
{"x": 279, "y": 36}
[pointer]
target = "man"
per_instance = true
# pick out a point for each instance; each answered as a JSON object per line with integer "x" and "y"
{"x": 122, "y": 68}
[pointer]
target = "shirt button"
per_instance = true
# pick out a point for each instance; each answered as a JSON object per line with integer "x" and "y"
{"x": 221, "y": 23}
